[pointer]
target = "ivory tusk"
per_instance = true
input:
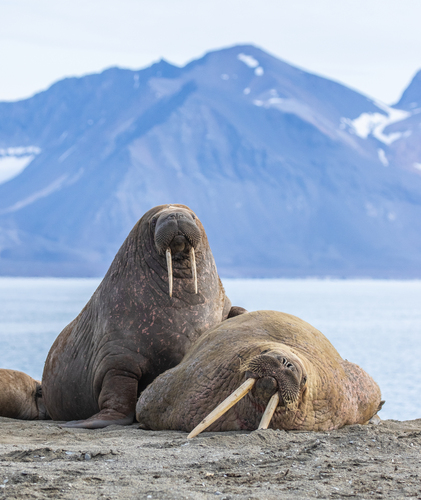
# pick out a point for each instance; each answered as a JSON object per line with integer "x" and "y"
{"x": 270, "y": 410}
{"x": 223, "y": 407}
{"x": 169, "y": 268}
{"x": 193, "y": 268}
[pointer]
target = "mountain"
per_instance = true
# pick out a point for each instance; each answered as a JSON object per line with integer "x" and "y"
{"x": 291, "y": 174}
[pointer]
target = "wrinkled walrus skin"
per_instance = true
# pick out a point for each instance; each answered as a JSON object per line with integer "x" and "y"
{"x": 131, "y": 330}
{"x": 318, "y": 390}
{"x": 20, "y": 396}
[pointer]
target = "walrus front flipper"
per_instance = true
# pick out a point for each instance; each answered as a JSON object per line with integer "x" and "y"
{"x": 101, "y": 419}
{"x": 117, "y": 401}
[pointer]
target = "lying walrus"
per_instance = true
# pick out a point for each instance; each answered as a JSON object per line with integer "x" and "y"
{"x": 280, "y": 362}
{"x": 20, "y": 396}
{"x": 160, "y": 294}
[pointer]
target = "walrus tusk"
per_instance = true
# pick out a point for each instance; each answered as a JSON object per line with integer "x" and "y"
{"x": 270, "y": 410}
{"x": 193, "y": 268}
{"x": 169, "y": 267}
{"x": 223, "y": 407}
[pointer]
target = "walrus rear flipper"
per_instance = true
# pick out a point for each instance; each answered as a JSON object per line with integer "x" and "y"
{"x": 117, "y": 401}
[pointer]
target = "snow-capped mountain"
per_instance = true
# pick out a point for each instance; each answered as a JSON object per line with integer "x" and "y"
{"x": 291, "y": 174}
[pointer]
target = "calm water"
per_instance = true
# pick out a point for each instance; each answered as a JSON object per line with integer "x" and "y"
{"x": 376, "y": 324}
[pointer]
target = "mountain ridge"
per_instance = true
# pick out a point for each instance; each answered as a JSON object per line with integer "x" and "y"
{"x": 291, "y": 174}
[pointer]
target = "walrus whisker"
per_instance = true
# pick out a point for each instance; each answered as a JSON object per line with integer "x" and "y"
{"x": 169, "y": 268}
{"x": 270, "y": 410}
{"x": 223, "y": 407}
{"x": 193, "y": 268}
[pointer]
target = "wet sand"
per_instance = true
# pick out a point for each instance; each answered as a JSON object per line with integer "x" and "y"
{"x": 38, "y": 459}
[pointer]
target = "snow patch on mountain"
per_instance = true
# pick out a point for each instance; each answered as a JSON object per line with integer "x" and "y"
{"x": 375, "y": 123}
{"x": 14, "y": 160}
{"x": 250, "y": 61}
{"x": 20, "y": 151}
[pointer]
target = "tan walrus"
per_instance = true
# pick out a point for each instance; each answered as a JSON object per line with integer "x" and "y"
{"x": 20, "y": 396}
{"x": 263, "y": 360}
{"x": 161, "y": 292}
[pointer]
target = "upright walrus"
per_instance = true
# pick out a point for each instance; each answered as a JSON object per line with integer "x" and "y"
{"x": 161, "y": 292}
{"x": 266, "y": 367}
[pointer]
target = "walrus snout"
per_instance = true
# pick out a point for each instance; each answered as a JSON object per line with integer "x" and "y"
{"x": 177, "y": 231}
{"x": 276, "y": 373}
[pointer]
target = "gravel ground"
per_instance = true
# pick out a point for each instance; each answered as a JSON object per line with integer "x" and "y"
{"x": 39, "y": 459}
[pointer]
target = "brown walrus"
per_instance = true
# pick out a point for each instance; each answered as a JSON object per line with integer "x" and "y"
{"x": 20, "y": 396}
{"x": 280, "y": 362}
{"x": 161, "y": 292}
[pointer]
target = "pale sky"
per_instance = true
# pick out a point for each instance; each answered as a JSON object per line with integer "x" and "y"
{"x": 373, "y": 46}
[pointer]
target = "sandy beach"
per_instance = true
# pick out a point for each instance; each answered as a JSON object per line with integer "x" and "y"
{"x": 38, "y": 459}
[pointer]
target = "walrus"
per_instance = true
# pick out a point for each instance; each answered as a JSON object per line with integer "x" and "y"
{"x": 161, "y": 292}
{"x": 275, "y": 368}
{"x": 20, "y": 396}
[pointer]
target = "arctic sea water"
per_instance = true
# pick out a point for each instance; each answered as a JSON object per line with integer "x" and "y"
{"x": 374, "y": 323}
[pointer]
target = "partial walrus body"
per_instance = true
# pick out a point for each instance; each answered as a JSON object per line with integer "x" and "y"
{"x": 20, "y": 396}
{"x": 160, "y": 294}
{"x": 279, "y": 361}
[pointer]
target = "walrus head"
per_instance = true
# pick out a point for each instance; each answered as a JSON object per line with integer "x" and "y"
{"x": 277, "y": 373}
{"x": 279, "y": 377}
{"x": 176, "y": 236}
